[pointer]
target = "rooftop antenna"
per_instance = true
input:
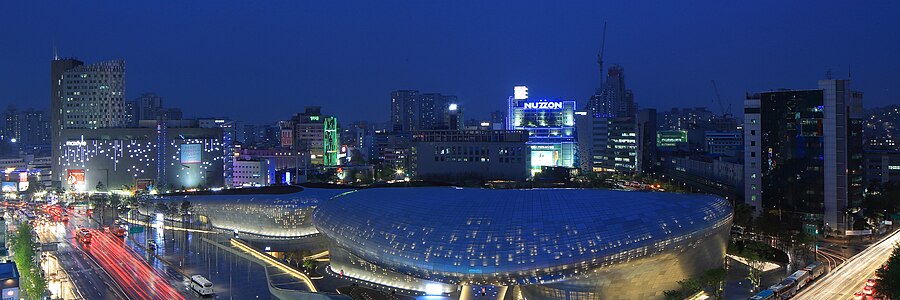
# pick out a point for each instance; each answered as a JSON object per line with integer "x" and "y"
{"x": 848, "y": 72}
{"x": 828, "y": 74}
{"x": 600, "y": 54}
{"x": 55, "y": 54}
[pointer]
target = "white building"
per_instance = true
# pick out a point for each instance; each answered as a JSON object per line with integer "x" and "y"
{"x": 257, "y": 172}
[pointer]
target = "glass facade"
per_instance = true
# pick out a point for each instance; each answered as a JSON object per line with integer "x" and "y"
{"x": 525, "y": 237}
{"x": 551, "y": 130}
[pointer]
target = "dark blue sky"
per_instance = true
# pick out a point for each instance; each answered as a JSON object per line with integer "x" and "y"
{"x": 261, "y": 61}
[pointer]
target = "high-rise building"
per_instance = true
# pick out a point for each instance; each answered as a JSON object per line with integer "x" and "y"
{"x": 411, "y": 110}
{"x": 645, "y": 131}
{"x": 85, "y": 97}
{"x": 58, "y": 67}
{"x": 228, "y": 147}
{"x": 94, "y": 96}
{"x": 803, "y": 154}
{"x": 404, "y": 106}
{"x": 613, "y": 100}
{"x": 550, "y": 124}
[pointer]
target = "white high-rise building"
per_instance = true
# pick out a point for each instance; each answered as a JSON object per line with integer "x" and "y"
{"x": 94, "y": 96}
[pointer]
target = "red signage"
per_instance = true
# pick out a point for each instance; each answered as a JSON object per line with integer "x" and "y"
{"x": 287, "y": 138}
{"x": 75, "y": 177}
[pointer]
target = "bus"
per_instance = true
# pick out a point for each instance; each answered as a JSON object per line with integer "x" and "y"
{"x": 815, "y": 270}
{"x": 801, "y": 278}
{"x": 202, "y": 286}
{"x": 83, "y": 235}
{"x": 764, "y": 295}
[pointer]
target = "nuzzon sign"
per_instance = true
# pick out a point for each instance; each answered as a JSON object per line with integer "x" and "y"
{"x": 543, "y": 105}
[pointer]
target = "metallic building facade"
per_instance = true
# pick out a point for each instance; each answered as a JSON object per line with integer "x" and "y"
{"x": 268, "y": 215}
{"x": 599, "y": 244}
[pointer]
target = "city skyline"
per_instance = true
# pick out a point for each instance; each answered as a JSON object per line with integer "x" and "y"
{"x": 289, "y": 56}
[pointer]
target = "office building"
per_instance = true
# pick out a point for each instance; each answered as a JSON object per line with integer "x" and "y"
{"x": 228, "y": 146}
{"x": 454, "y": 155}
{"x": 253, "y": 172}
{"x": 550, "y": 124}
{"x": 882, "y": 166}
{"x": 803, "y": 154}
{"x": 412, "y": 110}
{"x": 313, "y": 133}
{"x": 85, "y": 97}
{"x": 405, "y": 110}
{"x": 645, "y": 138}
{"x": 727, "y": 143}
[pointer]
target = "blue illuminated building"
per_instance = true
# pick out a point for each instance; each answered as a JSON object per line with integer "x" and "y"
{"x": 545, "y": 243}
{"x": 550, "y": 124}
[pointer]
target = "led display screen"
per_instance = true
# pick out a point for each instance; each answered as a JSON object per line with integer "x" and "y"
{"x": 190, "y": 153}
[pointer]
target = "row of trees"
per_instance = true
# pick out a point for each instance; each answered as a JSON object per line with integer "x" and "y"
{"x": 31, "y": 280}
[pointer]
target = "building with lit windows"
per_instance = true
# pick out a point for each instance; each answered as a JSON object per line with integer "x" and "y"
{"x": 253, "y": 172}
{"x": 313, "y": 133}
{"x": 166, "y": 155}
{"x": 803, "y": 154}
{"x": 85, "y": 97}
{"x": 454, "y": 155}
{"x": 546, "y": 243}
{"x": 550, "y": 124}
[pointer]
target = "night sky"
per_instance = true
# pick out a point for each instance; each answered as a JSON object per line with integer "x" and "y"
{"x": 260, "y": 61}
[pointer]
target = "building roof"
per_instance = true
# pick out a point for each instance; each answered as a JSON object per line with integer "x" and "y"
{"x": 513, "y": 236}
{"x": 8, "y": 271}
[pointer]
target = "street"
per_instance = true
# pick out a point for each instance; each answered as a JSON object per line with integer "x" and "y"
{"x": 850, "y": 277}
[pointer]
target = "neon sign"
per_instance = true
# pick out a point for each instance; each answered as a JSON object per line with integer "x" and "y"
{"x": 543, "y": 105}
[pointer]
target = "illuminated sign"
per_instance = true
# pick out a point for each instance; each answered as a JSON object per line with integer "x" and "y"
{"x": 453, "y": 107}
{"x": 190, "y": 153}
{"x": 520, "y": 92}
{"x": 543, "y": 105}
{"x": 23, "y": 186}
{"x": 893, "y": 167}
{"x": 75, "y": 177}
{"x": 8, "y": 187}
{"x": 23, "y": 176}
{"x": 287, "y": 138}
{"x": 313, "y": 118}
{"x": 76, "y": 143}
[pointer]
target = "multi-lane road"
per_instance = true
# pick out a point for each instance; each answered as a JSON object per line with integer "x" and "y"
{"x": 850, "y": 277}
{"x": 106, "y": 268}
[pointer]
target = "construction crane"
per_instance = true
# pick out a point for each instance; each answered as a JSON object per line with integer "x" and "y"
{"x": 600, "y": 54}
{"x": 725, "y": 112}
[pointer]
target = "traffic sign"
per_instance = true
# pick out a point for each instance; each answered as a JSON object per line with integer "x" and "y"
{"x": 135, "y": 229}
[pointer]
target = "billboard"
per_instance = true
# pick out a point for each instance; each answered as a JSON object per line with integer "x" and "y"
{"x": 190, "y": 153}
{"x": 23, "y": 186}
{"x": 143, "y": 184}
{"x": 8, "y": 187}
{"x": 75, "y": 177}
{"x": 287, "y": 138}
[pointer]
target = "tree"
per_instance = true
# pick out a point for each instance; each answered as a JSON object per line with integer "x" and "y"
{"x": 673, "y": 295}
{"x": 755, "y": 262}
{"x": 309, "y": 264}
{"x": 31, "y": 280}
{"x": 888, "y": 282}
{"x": 714, "y": 280}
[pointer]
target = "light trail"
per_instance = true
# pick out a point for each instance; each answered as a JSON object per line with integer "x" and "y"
{"x": 850, "y": 277}
{"x": 136, "y": 276}
{"x": 276, "y": 263}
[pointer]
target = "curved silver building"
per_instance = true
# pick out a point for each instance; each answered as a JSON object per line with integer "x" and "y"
{"x": 554, "y": 243}
{"x": 270, "y": 215}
